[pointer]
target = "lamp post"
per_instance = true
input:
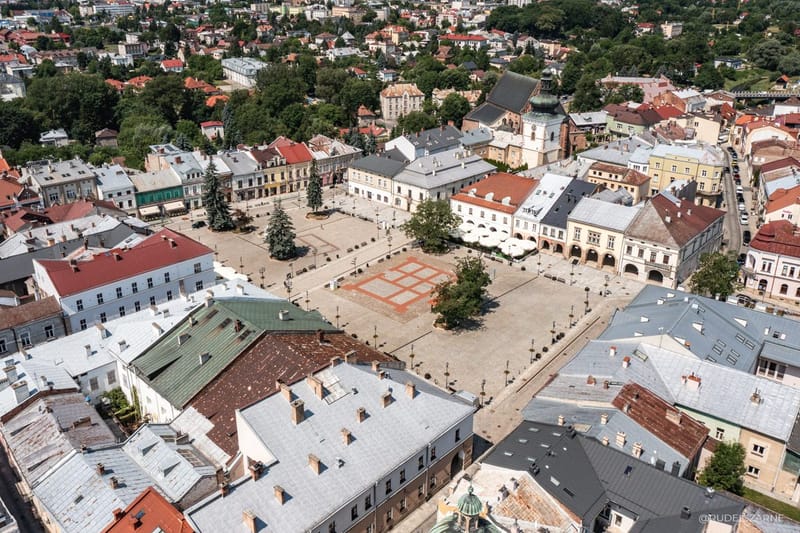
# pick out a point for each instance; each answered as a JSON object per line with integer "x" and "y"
{"x": 354, "y": 264}
{"x": 314, "y": 251}
{"x": 553, "y": 333}
{"x": 605, "y": 286}
{"x": 506, "y": 372}
{"x": 241, "y": 264}
{"x": 531, "y": 350}
{"x": 337, "y": 317}
{"x": 538, "y": 263}
{"x": 288, "y": 284}
{"x": 216, "y": 253}
{"x": 291, "y": 269}
{"x": 307, "y": 300}
{"x": 411, "y": 356}
{"x": 389, "y": 239}
{"x": 261, "y": 271}
{"x": 586, "y": 303}
{"x": 446, "y": 375}
{"x": 483, "y": 391}
{"x": 394, "y": 218}
{"x": 572, "y": 275}
{"x": 375, "y": 335}
{"x": 571, "y": 315}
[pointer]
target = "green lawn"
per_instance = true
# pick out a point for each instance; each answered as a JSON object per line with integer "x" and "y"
{"x": 772, "y": 504}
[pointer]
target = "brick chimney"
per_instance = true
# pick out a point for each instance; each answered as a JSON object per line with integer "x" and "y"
{"x": 637, "y": 449}
{"x": 298, "y": 411}
{"x": 256, "y": 469}
{"x": 347, "y": 437}
{"x": 361, "y": 414}
{"x": 118, "y": 513}
{"x": 620, "y": 439}
{"x": 280, "y": 494}
{"x": 224, "y": 488}
{"x": 375, "y": 366}
{"x": 381, "y": 374}
{"x": 113, "y": 482}
{"x": 411, "y": 389}
{"x": 560, "y": 420}
{"x": 313, "y": 462}
{"x": 386, "y": 399}
{"x": 604, "y": 418}
{"x": 284, "y": 389}
{"x": 316, "y": 386}
{"x": 249, "y": 520}
{"x": 101, "y": 469}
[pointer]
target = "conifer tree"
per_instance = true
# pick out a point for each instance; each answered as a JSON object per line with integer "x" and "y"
{"x": 280, "y": 234}
{"x": 314, "y": 190}
{"x": 217, "y": 210}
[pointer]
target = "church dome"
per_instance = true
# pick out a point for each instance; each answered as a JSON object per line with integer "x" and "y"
{"x": 469, "y": 504}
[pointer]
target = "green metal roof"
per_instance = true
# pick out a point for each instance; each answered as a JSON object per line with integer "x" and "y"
{"x": 469, "y": 504}
{"x": 187, "y": 358}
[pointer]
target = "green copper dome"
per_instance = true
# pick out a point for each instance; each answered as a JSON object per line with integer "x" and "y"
{"x": 545, "y": 101}
{"x": 469, "y": 504}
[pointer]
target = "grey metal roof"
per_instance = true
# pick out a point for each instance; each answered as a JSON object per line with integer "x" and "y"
{"x": 602, "y": 214}
{"x": 512, "y": 91}
{"x": 543, "y": 197}
{"x": 476, "y": 136}
{"x": 49, "y": 173}
{"x": 570, "y": 196}
{"x": 240, "y": 163}
{"x": 39, "y": 375}
{"x": 486, "y": 113}
{"x": 589, "y": 118}
{"x": 585, "y": 476}
{"x": 388, "y": 163}
{"x": 443, "y": 168}
{"x": 37, "y": 238}
{"x": 434, "y": 139}
{"x": 387, "y": 438}
{"x": 112, "y": 178}
{"x": 616, "y": 152}
{"x": 154, "y": 181}
{"x": 586, "y": 420}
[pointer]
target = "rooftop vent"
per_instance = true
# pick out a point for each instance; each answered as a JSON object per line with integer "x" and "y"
{"x": 298, "y": 411}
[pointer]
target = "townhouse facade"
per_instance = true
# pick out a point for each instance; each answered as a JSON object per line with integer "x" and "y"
{"x": 701, "y": 162}
{"x": 61, "y": 182}
{"x": 400, "y": 99}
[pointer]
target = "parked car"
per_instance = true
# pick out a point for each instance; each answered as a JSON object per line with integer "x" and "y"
{"x": 741, "y": 259}
{"x": 739, "y": 189}
{"x": 742, "y": 207}
{"x": 744, "y": 219}
{"x": 199, "y": 224}
{"x": 739, "y": 198}
{"x": 746, "y": 237}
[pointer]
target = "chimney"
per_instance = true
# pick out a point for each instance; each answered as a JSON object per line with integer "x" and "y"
{"x": 626, "y": 361}
{"x": 283, "y": 314}
{"x": 88, "y": 350}
{"x": 51, "y": 241}
{"x": 157, "y": 328}
{"x": 209, "y": 300}
{"x": 347, "y": 437}
{"x": 298, "y": 411}
{"x": 316, "y": 386}
{"x": 560, "y": 420}
{"x": 123, "y": 345}
{"x": 249, "y": 519}
{"x": 411, "y": 389}
{"x": 686, "y": 513}
{"x": 182, "y": 338}
{"x": 386, "y": 399}
{"x": 153, "y": 310}
{"x": 361, "y": 414}
{"x": 606, "y": 384}
{"x": 204, "y": 357}
{"x": 255, "y": 470}
{"x": 381, "y": 374}
{"x": 676, "y": 468}
{"x": 755, "y": 397}
{"x": 604, "y": 418}
{"x": 612, "y": 351}
{"x": 284, "y": 389}
{"x": 590, "y": 380}
{"x": 118, "y": 513}
{"x": 350, "y": 357}
{"x": 172, "y": 243}
{"x": 313, "y": 462}
{"x": 224, "y": 489}
{"x": 11, "y": 373}
{"x": 620, "y": 440}
{"x": 674, "y": 416}
{"x": 117, "y": 256}
{"x": 113, "y": 482}
{"x": 375, "y": 366}
{"x": 637, "y": 449}
{"x": 667, "y": 219}
{"x": 240, "y": 290}
{"x": 237, "y": 325}
{"x": 320, "y": 336}
{"x": 280, "y": 494}
{"x": 605, "y": 440}
{"x": 101, "y": 469}
{"x": 335, "y": 361}
{"x": 693, "y": 382}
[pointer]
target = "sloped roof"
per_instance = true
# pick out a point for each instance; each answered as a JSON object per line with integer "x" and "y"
{"x": 671, "y": 222}
{"x": 157, "y": 514}
{"x": 601, "y": 214}
{"x": 512, "y": 91}
{"x": 500, "y": 185}
{"x": 35, "y": 310}
{"x": 783, "y": 198}
{"x": 295, "y": 153}
{"x": 186, "y": 359}
{"x": 162, "y": 249}
{"x": 399, "y": 89}
{"x": 778, "y": 237}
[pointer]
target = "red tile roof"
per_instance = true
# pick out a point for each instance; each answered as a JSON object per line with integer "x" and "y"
{"x": 22, "y": 314}
{"x": 680, "y": 431}
{"x": 668, "y": 111}
{"x": 501, "y": 185}
{"x": 211, "y": 101}
{"x": 9, "y": 189}
{"x": 782, "y": 198}
{"x": 162, "y": 249}
{"x": 779, "y": 237}
{"x": 252, "y": 376}
{"x": 171, "y": 63}
{"x": 211, "y": 124}
{"x": 456, "y": 37}
{"x": 293, "y": 152}
{"x": 154, "y": 512}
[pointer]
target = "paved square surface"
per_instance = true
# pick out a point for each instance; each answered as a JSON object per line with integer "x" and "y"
{"x": 401, "y": 286}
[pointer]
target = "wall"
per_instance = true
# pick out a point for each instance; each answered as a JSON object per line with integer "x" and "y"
{"x": 770, "y": 476}
{"x": 36, "y": 331}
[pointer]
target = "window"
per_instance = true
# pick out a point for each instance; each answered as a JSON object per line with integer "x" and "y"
{"x": 719, "y": 434}
{"x": 753, "y": 471}
{"x": 666, "y": 259}
{"x": 368, "y": 503}
{"x": 420, "y": 463}
{"x": 686, "y": 170}
{"x": 197, "y": 268}
{"x": 577, "y": 234}
{"x": 433, "y": 453}
{"x": 370, "y": 528}
{"x": 771, "y": 369}
{"x": 610, "y": 242}
{"x": 674, "y": 168}
{"x": 389, "y": 515}
{"x": 758, "y": 450}
{"x": 111, "y": 377}
{"x": 420, "y": 491}
{"x": 121, "y": 310}
{"x": 198, "y": 285}
{"x": 149, "y": 283}
{"x": 458, "y": 434}
{"x": 433, "y": 481}
{"x": 48, "y": 332}
{"x": 3, "y": 347}
{"x": 494, "y": 217}
{"x": 618, "y": 520}
{"x": 403, "y": 504}
{"x": 166, "y": 277}
{"x": 784, "y": 289}
{"x": 388, "y": 486}
{"x": 25, "y": 339}
{"x": 99, "y": 298}
{"x": 134, "y": 287}
{"x": 169, "y": 296}
{"x": 629, "y": 250}
{"x": 703, "y": 173}
{"x": 137, "y": 306}
{"x": 332, "y": 525}
{"x": 403, "y": 475}
{"x": 83, "y": 324}
{"x": 93, "y": 386}
{"x": 79, "y": 305}
{"x": 354, "y": 512}
{"x": 152, "y": 300}
{"x": 593, "y": 237}
{"x": 119, "y": 292}
{"x": 103, "y": 318}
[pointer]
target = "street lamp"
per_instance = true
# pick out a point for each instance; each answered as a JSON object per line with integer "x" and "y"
{"x": 483, "y": 392}
{"x": 531, "y": 350}
{"x": 337, "y": 317}
{"x": 553, "y": 333}
{"x": 394, "y": 215}
{"x": 411, "y": 356}
{"x": 307, "y": 300}
{"x": 261, "y": 271}
{"x": 446, "y": 375}
{"x": 586, "y": 289}
{"x": 389, "y": 238}
{"x": 571, "y": 314}
{"x": 241, "y": 264}
{"x": 605, "y": 286}
{"x": 572, "y": 275}
{"x": 288, "y": 284}
{"x": 291, "y": 269}
{"x": 354, "y": 264}
{"x": 506, "y": 372}
{"x": 375, "y": 335}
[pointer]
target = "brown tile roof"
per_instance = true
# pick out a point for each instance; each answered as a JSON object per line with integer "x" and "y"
{"x": 502, "y": 185}
{"x": 783, "y": 198}
{"x": 686, "y": 221}
{"x": 154, "y": 513}
{"x": 252, "y": 376}
{"x": 680, "y": 431}
{"x": 22, "y": 314}
{"x": 779, "y": 237}
{"x": 399, "y": 89}
{"x": 622, "y": 174}
{"x": 780, "y": 163}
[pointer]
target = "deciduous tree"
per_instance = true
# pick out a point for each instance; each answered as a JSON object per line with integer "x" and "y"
{"x": 457, "y": 301}
{"x": 716, "y": 275}
{"x": 725, "y": 469}
{"x": 431, "y": 225}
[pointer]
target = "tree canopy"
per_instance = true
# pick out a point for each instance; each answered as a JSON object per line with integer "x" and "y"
{"x": 217, "y": 209}
{"x": 725, "y": 469}
{"x": 717, "y": 274}
{"x": 431, "y": 225}
{"x": 314, "y": 189}
{"x": 280, "y": 234}
{"x": 457, "y": 301}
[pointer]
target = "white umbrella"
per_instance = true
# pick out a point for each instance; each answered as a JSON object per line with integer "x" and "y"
{"x": 490, "y": 241}
{"x": 528, "y": 246}
{"x": 471, "y": 237}
{"x": 466, "y": 226}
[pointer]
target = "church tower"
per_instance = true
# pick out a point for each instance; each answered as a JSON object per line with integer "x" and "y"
{"x": 541, "y": 127}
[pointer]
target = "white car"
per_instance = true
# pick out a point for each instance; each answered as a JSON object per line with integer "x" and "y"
{"x": 739, "y": 189}
{"x": 742, "y": 208}
{"x": 744, "y": 219}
